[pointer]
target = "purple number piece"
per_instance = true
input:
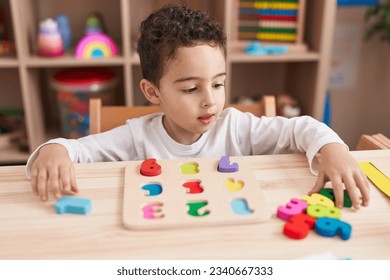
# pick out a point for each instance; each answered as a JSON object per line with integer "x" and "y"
{"x": 225, "y": 166}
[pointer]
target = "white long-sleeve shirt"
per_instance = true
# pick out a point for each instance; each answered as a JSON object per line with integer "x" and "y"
{"x": 233, "y": 133}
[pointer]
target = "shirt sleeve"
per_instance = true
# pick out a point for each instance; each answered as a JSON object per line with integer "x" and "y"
{"x": 113, "y": 145}
{"x": 278, "y": 135}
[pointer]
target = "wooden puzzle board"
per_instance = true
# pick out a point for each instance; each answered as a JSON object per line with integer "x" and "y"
{"x": 173, "y": 208}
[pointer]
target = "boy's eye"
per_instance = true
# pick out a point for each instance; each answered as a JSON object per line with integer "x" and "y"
{"x": 218, "y": 85}
{"x": 189, "y": 90}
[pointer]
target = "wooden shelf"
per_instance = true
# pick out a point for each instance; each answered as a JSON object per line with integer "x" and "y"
{"x": 8, "y": 62}
{"x": 302, "y": 72}
{"x": 68, "y": 60}
{"x": 241, "y": 57}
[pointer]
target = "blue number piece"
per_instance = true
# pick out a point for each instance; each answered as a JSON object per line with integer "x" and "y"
{"x": 73, "y": 205}
{"x": 330, "y": 227}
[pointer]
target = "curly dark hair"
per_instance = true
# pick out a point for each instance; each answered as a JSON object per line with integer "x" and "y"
{"x": 169, "y": 28}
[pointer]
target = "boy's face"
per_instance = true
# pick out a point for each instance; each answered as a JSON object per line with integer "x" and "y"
{"x": 192, "y": 92}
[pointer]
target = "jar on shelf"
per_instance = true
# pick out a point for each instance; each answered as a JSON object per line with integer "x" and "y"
{"x": 74, "y": 87}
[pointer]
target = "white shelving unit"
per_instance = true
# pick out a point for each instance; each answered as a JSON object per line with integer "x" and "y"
{"x": 302, "y": 74}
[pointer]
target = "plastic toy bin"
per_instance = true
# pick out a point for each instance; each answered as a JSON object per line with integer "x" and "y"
{"x": 74, "y": 87}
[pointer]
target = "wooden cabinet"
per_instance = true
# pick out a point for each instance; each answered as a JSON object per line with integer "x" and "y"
{"x": 302, "y": 74}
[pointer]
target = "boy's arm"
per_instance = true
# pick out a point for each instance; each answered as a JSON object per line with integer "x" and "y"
{"x": 50, "y": 166}
{"x": 305, "y": 134}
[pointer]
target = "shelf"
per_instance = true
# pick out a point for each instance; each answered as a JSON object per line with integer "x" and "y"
{"x": 68, "y": 60}
{"x": 26, "y": 77}
{"x": 288, "y": 57}
{"x": 8, "y": 62}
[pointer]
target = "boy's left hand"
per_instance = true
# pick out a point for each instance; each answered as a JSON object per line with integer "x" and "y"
{"x": 338, "y": 166}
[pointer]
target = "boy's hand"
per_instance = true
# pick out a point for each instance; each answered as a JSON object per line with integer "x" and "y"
{"x": 341, "y": 169}
{"x": 52, "y": 171}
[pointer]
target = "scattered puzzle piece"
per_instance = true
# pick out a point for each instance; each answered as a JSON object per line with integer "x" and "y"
{"x": 73, "y": 205}
{"x": 298, "y": 226}
{"x": 152, "y": 211}
{"x": 233, "y": 186}
{"x": 193, "y": 187}
{"x": 225, "y": 166}
{"x": 194, "y": 208}
{"x": 294, "y": 207}
{"x": 189, "y": 168}
{"x": 152, "y": 189}
{"x": 330, "y": 227}
{"x": 240, "y": 206}
{"x": 317, "y": 198}
{"x": 150, "y": 167}
{"x": 329, "y": 193}
{"x": 318, "y": 211}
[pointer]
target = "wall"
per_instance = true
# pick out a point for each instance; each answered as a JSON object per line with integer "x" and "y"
{"x": 364, "y": 107}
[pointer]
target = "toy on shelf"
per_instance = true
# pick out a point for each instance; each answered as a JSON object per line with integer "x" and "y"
{"x": 96, "y": 44}
{"x": 7, "y": 47}
{"x": 95, "y": 24}
{"x": 256, "y": 48}
{"x": 270, "y": 21}
{"x": 287, "y": 106}
{"x": 65, "y": 30}
{"x": 49, "y": 39}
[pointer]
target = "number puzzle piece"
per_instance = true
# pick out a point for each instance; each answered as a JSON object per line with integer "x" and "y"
{"x": 193, "y": 187}
{"x": 294, "y": 207}
{"x": 330, "y": 227}
{"x": 194, "y": 208}
{"x": 240, "y": 206}
{"x": 225, "y": 166}
{"x": 329, "y": 193}
{"x": 298, "y": 226}
{"x": 73, "y": 205}
{"x": 150, "y": 167}
{"x": 152, "y": 211}
{"x": 152, "y": 189}
{"x": 233, "y": 186}
{"x": 317, "y": 198}
{"x": 318, "y": 211}
{"x": 189, "y": 168}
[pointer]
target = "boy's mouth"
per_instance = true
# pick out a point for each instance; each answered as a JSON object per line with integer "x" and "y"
{"x": 206, "y": 119}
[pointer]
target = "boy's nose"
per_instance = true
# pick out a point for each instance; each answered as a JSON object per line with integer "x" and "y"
{"x": 208, "y": 99}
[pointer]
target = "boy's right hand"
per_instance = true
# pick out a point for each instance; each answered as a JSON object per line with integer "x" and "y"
{"x": 53, "y": 171}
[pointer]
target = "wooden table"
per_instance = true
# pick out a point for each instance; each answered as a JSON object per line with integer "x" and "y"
{"x": 30, "y": 229}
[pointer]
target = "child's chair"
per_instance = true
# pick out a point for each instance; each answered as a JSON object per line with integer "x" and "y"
{"x": 103, "y": 118}
{"x": 373, "y": 142}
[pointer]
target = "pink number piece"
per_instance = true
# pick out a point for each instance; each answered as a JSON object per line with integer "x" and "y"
{"x": 151, "y": 210}
{"x": 294, "y": 207}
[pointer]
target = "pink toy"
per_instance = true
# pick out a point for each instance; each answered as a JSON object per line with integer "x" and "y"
{"x": 152, "y": 211}
{"x": 294, "y": 207}
{"x": 96, "y": 45}
{"x": 49, "y": 39}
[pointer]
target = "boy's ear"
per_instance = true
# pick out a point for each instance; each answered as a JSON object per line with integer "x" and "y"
{"x": 150, "y": 91}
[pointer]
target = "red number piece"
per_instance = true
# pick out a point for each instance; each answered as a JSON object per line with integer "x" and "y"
{"x": 298, "y": 226}
{"x": 150, "y": 167}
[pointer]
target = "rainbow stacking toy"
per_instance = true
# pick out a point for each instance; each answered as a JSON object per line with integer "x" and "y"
{"x": 96, "y": 45}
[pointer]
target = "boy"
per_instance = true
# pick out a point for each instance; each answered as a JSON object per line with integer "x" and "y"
{"x": 183, "y": 61}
